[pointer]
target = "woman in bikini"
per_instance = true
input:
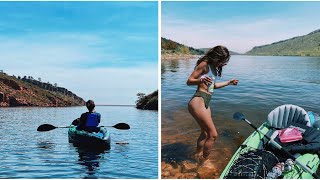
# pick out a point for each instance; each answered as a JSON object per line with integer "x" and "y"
{"x": 198, "y": 106}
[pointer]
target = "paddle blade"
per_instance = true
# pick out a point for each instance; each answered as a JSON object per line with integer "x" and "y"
{"x": 122, "y": 126}
{"x": 238, "y": 116}
{"x": 46, "y": 127}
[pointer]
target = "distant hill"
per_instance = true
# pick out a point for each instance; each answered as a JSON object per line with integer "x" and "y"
{"x": 147, "y": 102}
{"x": 231, "y": 52}
{"x": 26, "y": 91}
{"x": 307, "y": 45}
{"x": 171, "y": 47}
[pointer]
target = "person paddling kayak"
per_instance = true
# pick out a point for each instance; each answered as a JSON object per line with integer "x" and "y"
{"x": 89, "y": 121}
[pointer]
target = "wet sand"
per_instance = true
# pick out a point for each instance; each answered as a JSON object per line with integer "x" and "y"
{"x": 179, "y": 135}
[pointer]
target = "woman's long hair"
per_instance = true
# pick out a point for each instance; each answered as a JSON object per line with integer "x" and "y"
{"x": 218, "y": 54}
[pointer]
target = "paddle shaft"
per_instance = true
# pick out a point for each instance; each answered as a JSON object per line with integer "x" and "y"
{"x": 99, "y": 126}
{"x": 64, "y": 127}
{"x": 49, "y": 127}
{"x": 284, "y": 151}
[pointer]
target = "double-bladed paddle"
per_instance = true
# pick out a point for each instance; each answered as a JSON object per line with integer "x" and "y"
{"x": 49, "y": 127}
{"x": 240, "y": 117}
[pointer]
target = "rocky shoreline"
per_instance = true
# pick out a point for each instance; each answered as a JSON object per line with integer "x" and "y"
{"x": 16, "y": 92}
{"x": 167, "y": 56}
{"x": 149, "y": 102}
{"x": 188, "y": 170}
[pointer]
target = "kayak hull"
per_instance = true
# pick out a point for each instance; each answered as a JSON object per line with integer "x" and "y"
{"x": 80, "y": 138}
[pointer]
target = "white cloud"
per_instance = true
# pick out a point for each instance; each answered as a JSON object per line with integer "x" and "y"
{"x": 47, "y": 50}
{"x": 63, "y": 58}
{"x": 139, "y": 38}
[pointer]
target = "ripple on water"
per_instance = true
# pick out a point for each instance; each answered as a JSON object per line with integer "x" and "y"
{"x": 26, "y": 153}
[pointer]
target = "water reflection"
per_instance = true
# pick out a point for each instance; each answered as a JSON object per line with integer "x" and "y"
{"x": 163, "y": 68}
{"x": 90, "y": 159}
{"x": 27, "y": 153}
{"x": 171, "y": 65}
{"x": 174, "y": 65}
{"x": 46, "y": 145}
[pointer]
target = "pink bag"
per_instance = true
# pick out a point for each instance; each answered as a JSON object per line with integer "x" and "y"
{"x": 290, "y": 135}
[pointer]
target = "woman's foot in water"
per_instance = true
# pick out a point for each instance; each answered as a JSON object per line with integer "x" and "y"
{"x": 207, "y": 163}
{"x": 198, "y": 156}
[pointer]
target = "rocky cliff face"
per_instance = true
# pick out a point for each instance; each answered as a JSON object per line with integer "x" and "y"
{"x": 15, "y": 92}
{"x": 149, "y": 102}
{"x": 50, "y": 87}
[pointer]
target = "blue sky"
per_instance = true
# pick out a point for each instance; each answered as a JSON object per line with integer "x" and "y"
{"x": 105, "y": 51}
{"x": 238, "y": 25}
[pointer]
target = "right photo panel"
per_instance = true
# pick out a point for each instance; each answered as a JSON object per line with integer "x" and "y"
{"x": 240, "y": 87}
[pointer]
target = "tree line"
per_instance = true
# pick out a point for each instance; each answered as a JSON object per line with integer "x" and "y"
{"x": 44, "y": 85}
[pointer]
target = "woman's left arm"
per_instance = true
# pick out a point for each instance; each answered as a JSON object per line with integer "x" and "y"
{"x": 226, "y": 83}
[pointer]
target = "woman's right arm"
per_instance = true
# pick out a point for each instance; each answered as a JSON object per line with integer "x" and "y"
{"x": 194, "y": 78}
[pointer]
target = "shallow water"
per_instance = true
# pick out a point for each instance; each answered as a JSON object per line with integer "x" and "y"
{"x": 26, "y": 153}
{"x": 264, "y": 83}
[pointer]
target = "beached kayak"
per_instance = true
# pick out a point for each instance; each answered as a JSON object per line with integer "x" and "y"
{"x": 82, "y": 138}
{"x": 255, "y": 157}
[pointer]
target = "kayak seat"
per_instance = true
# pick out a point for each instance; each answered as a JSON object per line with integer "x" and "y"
{"x": 282, "y": 116}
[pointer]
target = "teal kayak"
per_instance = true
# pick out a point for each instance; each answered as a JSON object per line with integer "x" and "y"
{"x": 99, "y": 140}
{"x": 254, "y": 160}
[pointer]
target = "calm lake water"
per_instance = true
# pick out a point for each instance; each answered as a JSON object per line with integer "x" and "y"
{"x": 26, "y": 153}
{"x": 264, "y": 83}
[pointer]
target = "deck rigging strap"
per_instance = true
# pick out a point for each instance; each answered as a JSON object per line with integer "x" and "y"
{"x": 252, "y": 164}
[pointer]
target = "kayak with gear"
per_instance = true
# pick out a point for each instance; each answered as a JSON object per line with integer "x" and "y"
{"x": 264, "y": 156}
{"x": 83, "y": 138}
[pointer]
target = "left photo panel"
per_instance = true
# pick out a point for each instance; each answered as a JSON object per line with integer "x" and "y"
{"x": 79, "y": 90}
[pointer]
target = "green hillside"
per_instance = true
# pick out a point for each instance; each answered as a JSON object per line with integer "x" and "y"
{"x": 307, "y": 45}
{"x": 171, "y": 47}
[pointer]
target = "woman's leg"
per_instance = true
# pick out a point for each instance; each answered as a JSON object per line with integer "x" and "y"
{"x": 212, "y": 134}
{"x": 201, "y": 140}
{"x": 203, "y": 117}
{"x": 200, "y": 144}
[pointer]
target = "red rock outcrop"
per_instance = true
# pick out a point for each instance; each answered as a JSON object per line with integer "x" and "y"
{"x": 11, "y": 83}
{"x": 15, "y": 92}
